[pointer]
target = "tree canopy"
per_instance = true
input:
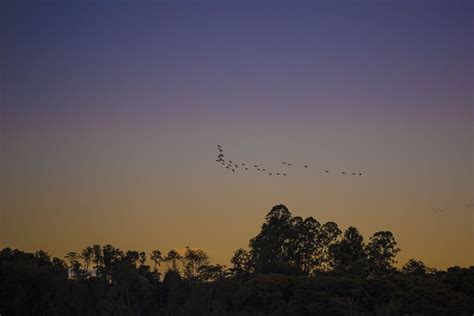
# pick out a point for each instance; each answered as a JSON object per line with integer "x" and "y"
{"x": 293, "y": 266}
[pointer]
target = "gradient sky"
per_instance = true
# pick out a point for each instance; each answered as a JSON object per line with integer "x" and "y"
{"x": 111, "y": 112}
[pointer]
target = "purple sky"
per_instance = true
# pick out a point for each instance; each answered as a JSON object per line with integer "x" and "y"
{"x": 111, "y": 112}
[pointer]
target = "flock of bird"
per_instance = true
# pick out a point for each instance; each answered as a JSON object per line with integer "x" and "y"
{"x": 235, "y": 166}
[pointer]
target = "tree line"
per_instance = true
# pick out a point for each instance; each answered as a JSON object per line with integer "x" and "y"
{"x": 294, "y": 266}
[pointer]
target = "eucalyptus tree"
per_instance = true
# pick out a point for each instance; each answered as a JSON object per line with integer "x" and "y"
{"x": 348, "y": 255}
{"x": 193, "y": 260}
{"x": 87, "y": 255}
{"x": 172, "y": 259}
{"x": 381, "y": 251}
{"x": 156, "y": 257}
{"x": 291, "y": 243}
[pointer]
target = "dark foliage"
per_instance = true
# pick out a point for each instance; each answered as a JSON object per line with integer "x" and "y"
{"x": 294, "y": 266}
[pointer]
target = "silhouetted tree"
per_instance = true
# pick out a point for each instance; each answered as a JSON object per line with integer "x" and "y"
{"x": 133, "y": 257}
{"x": 193, "y": 261}
{"x": 330, "y": 233}
{"x": 87, "y": 255}
{"x": 287, "y": 243}
{"x": 414, "y": 267}
{"x": 348, "y": 255}
{"x": 381, "y": 251}
{"x": 156, "y": 257}
{"x": 294, "y": 266}
{"x": 141, "y": 258}
{"x": 172, "y": 259}
{"x": 211, "y": 272}
{"x": 241, "y": 264}
{"x": 97, "y": 256}
{"x": 270, "y": 247}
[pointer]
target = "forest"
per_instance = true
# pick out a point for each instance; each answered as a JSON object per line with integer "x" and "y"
{"x": 294, "y": 266}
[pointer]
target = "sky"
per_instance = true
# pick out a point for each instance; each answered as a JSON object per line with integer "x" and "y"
{"x": 111, "y": 112}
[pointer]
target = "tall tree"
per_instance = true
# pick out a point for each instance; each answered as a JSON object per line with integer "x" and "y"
{"x": 97, "y": 258}
{"x": 110, "y": 257}
{"x": 381, "y": 251}
{"x": 172, "y": 259}
{"x": 330, "y": 233}
{"x": 87, "y": 254}
{"x": 74, "y": 266}
{"x": 292, "y": 244}
{"x": 193, "y": 260}
{"x": 273, "y": 247}
{"x": 241, "y": 263}
{"x": 156, "y": 257}
{"x": 348, "y": 255}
